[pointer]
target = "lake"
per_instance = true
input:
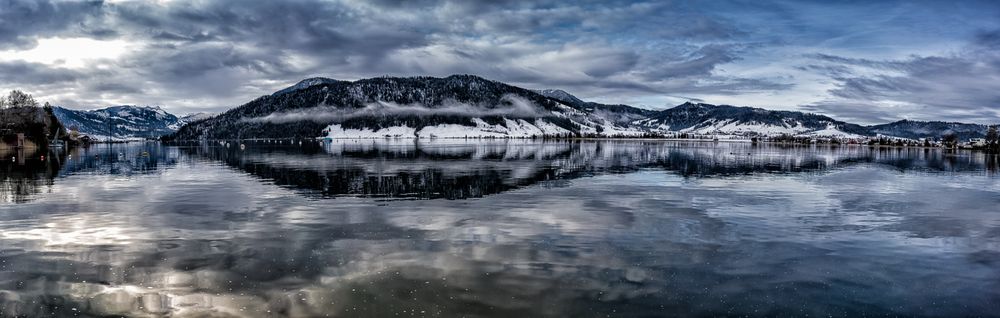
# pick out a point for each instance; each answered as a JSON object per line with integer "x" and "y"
{"x": 504, "y": 228}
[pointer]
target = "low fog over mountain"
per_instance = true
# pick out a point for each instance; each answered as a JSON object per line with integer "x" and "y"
{"x": 467, "y": 106}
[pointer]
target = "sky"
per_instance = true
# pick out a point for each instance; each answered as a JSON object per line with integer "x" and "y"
{"x": 860, "y": 61}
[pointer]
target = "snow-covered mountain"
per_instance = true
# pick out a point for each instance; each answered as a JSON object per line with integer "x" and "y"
{"x": 561, "y": 96}
{"x": 707, "y": 119}
{"x": 467, "y": 106}
{"x": 929, "y": 129}
{"x": 622, "y": 115}
{"x": 120, "y": 122}
{"x": 306, "y": 83}
{"x": 193, "y": 117}
{"x": 457, "y": 106}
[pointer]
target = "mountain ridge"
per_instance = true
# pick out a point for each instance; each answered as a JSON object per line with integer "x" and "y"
{"x": 913, "y": 129}
{"x": 469, "y": 106}
{"x": 121, "y": 122}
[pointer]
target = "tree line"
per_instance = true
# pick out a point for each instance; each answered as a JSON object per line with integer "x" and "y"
{"x": 21, "y": 114}
{"x": 19, "y": 99}
{"x": 993, "y": 139}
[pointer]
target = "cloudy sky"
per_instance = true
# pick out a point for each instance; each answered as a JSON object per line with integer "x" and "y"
{"x": 862, "y": 61}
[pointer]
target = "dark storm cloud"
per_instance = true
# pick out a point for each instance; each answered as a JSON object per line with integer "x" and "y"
{"x": 698, "y": 63}
{"x": 23, "y": 21}
{"x": 840, "y": 60}
{"x": 213, "y": 55}
{"x": 116, "y": 88}
{"x": 961, "y": 86}
{"x": 735, "y": 86}
{"x": 210, "y": 49}
{"x": 313, "y": 27}
{"x": 35, "y": 74}
{"x": 357, "y": 36}
{"x": 856, "y": 112}
{"x": 988, "y": 39}
{"x": 168, "y": 63}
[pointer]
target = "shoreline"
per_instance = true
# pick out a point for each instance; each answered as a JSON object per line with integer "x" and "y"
{"x": 701, "y": 140}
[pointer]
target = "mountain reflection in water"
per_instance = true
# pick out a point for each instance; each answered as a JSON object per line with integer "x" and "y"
{"x": 586, "y": 228}
{"x": 458, "y": 169}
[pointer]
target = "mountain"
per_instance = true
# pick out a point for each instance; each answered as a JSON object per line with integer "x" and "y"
{"x": 930, "y": 129}
{"x": 193, "y": 117}
{"x": 619, "y": 114}
{"x": 457, "y": 106}
{"x": 124, "y": 122}
{"x": 707, "y": 119}
{"x": 468, "y": 106}
{"x": 561, "y": 96}
{"x": 306, "y": 83}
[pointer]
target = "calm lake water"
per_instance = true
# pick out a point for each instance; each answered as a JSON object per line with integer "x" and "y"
{"x": 499, "y": 229}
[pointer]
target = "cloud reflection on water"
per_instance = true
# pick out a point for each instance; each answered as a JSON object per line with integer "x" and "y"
{"x": 554, "y": 229}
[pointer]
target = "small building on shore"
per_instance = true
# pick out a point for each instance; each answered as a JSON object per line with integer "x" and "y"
{"x": 27, "y": 127}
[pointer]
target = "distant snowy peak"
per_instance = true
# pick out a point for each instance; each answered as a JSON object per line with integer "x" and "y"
{"x": 701, "y": 118}
{"x": 120, "y": 122}
{"x": 306, "y": 83}
{"x": 913, "y": 129}
{"x": 193, "y": 117}
{"x": 560, "y": 95}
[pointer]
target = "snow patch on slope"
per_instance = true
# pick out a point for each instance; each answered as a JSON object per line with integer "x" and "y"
{"x": 336, "y": 131}
{"x": 511, "y": 128}
{"x": 733, "y": 127}
{"x": 793, "y": 128}
{"x": 831, "y": 131}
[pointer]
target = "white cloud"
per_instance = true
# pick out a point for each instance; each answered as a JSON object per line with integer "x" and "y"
{"x": 69, "y": 52}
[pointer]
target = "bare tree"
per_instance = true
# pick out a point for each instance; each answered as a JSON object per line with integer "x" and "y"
{"x": 18, "y": 99}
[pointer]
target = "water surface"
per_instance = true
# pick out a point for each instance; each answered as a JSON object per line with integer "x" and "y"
{"x": 498, "y": 229}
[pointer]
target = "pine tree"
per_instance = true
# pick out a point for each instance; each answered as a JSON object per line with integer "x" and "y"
{"x": 993, "y": 139}
{"x": 950, "y": 140}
